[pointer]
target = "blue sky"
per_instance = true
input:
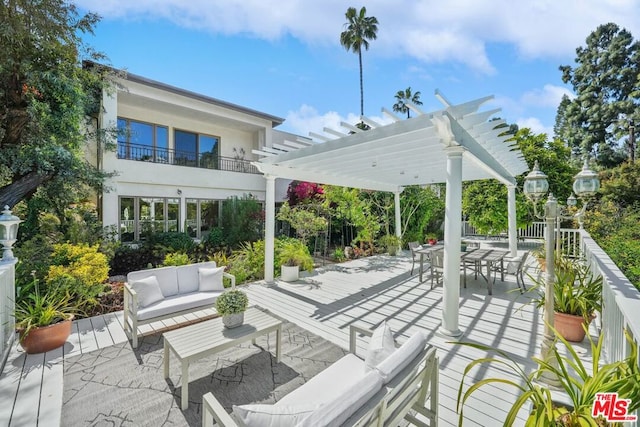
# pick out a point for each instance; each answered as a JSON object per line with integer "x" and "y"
{"x": 284, "y": 58}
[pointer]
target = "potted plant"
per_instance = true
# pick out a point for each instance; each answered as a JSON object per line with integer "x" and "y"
{"x": 390, "y": 243}
{"x": 579, "y": 383}
{"x": 44, "y": 321}
{"x": 432, "y": 238}
{"x": 292, "y": 256}
{"x": 231, "y": 305}
{"x": 577, "y": 297}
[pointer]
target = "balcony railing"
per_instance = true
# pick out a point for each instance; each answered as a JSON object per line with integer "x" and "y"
{"x": 146, "y": 153}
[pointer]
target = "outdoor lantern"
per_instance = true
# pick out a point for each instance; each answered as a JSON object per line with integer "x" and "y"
{"x": 535, "y": 184}
{"x": 571, "y": 200}
{"x": 8, "y": 232}
{"x": 586, "y": 183}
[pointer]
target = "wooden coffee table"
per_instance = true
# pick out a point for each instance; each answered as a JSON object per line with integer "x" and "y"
{"x": 202, "y": 339}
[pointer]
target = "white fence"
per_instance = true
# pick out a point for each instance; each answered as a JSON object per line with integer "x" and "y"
{"x": 7, "y": 305}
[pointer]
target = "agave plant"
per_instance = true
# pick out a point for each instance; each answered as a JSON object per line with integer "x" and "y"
{"x": 579, "y": 384}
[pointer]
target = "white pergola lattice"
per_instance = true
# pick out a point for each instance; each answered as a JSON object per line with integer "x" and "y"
{"x": 452, "y": 145}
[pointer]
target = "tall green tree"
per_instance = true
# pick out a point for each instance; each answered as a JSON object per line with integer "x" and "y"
{"x": 485, "y": 202}
{"x": 45, "y": 98}
{"x": 606, "y": 82}
{"x": 402, "y": 96}
{"x": 359, "y": 29}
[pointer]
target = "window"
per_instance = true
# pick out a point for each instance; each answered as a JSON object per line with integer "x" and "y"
{"x": 141, "y": 216}
{"x": 142, "y": 141}
{"x": 193, "y": 149}
{"x": 202, "y": 216}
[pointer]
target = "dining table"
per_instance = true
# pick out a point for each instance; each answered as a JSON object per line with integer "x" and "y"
{"x": 488, "y": 258}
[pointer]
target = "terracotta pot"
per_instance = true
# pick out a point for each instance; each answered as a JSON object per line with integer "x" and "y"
{"x": 46, "y": 338}
{"x": 569, "y": 326}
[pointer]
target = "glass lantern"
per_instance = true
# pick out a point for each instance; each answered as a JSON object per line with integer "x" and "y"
{"x": 535, "y": 184}
{"x": 8, "y": 232}
{"x": 586, "y": 182}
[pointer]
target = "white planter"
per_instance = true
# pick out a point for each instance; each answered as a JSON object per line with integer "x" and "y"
{"x": 290, "y": 273}
{"x": 233, "y": 320}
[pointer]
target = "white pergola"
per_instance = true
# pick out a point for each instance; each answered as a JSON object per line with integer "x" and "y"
{"x": 452, "y": 145}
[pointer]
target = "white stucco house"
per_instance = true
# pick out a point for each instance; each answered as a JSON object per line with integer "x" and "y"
{"x": 179, "y": 154}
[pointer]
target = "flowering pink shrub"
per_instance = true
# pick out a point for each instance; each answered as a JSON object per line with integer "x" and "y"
{"x": 303, "y": 191}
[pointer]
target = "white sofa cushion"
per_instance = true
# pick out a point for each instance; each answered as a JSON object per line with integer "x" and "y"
{"x": 335, "y": 412}
{"x": 210, "y": 279}
{"x": 178, "y": 303}
{"x": 381, "y": 346}
{"x": 324, "y": 386}
{"x": 148, "y": 290}
{"x": 188, "y": 276}
{"x": 399, "y": 359}
{"x": 273, "y": 416}
{"x": 166, "y": 276}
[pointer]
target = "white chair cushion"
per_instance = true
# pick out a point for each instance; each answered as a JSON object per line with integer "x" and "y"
{"x": 273, "y": 416}
{"x": 188, "y": 276}
{"x": 166, "y": 276}
{"x": 381, "y": 346}
{"x": 210, "y": 279}
{"x": 324, "y": 386}
{"x": 148, "y": 290}
{"x": 178, "y": 303}
{"x": 399, "y": 359}
{"x": 335, "y": 412}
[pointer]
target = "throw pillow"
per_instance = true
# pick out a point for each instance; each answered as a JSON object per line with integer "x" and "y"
{"x": 210, "y": 279}
{"x": 148, "y": 290}
{"x": 381, "y": 346}
{"x": 273, "y": 415}
{"x": 399, "y": 359}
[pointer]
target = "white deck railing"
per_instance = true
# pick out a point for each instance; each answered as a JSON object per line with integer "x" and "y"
{"x": 7, "y": 305}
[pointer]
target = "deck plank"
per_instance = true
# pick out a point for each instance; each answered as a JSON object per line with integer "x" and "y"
{"x": 50, "y": 411}
{"x": 9, "y": 383}
{"x": 101, "y": 332}
{"x": 25, "y": 410}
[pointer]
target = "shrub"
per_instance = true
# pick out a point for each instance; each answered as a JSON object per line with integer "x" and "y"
{"x": 175, "y": 241}
{"x": 176, "y": 258}
{"x": 242, "y": 220}
{"x": 79, "y": 271}
{"x": 339, "y": 255}
{"x": 130, "y": 258}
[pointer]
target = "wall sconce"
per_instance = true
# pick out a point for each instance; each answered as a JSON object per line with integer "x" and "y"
{"x": 179, "y": 192}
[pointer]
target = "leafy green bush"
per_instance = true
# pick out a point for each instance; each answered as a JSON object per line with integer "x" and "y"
{"x": 293, "y": 252}
{"x": 242, "y": 220}
{"x": 176, "y": 258}
{"x": 174, "y": 241}
{"x": 339, "y": 255}
{"x": 80, "y": 272}
{"x": 131, "y": 258}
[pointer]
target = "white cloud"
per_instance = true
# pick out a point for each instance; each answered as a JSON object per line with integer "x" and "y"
{"x": 549, "y": 96}
{"x": 535, "y": 125}
{"x": 307, "y": 119}
{"x": 455, "y": 30}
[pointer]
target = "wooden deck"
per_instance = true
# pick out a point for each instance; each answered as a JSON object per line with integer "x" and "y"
{"x": 364, "y": 291}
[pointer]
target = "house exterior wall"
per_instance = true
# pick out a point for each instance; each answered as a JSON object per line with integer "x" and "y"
{"x": 236, "y": 128}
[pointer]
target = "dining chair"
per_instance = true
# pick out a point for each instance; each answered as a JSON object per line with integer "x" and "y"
{"x": 437, "y": 266}
{"x": 518, "y": 272}
{"x": 413, "y": 246}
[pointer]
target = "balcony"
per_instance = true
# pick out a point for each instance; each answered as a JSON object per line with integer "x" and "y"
{"x": 145, "y": 153}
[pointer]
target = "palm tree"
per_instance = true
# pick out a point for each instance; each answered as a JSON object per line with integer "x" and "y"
{"x": 358, "y": 31}
{"x": 405, "y": 95}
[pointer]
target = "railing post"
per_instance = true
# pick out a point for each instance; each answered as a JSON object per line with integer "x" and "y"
{"x": 7, "y": 308}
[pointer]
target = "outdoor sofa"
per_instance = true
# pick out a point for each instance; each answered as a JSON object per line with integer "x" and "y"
{"x": 382, "y": 389}
{"x": 165, "y": 292}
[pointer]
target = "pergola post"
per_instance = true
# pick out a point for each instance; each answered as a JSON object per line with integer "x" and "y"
{"x": 396, "y": 201}
{"x": 452, "y": 239}
{"x": 269, "y": 227}
{"x": 513, "y": 229}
